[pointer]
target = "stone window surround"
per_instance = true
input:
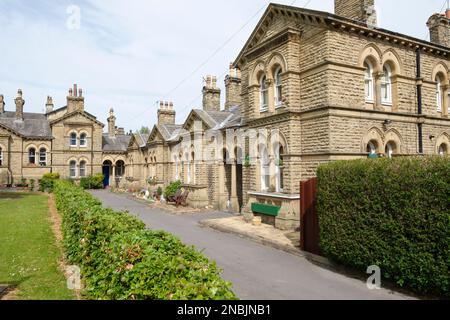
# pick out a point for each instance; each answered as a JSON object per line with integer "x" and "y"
{"x": 77, "y": 168}
{"x": 43, "y": 156}
{"x": 77, "y": 139}
{"x": 82, "y": 168}
{"x": 269, "y": 69}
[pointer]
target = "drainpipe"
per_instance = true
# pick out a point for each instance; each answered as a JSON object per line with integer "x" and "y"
{"x": 419, "y": 99}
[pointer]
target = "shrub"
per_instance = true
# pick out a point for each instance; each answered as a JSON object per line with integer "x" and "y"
{"x": 92, "y": 182}
{"x": 119, "y": 259}
{"x": 46, "y": 184}
{"x": 391, "y": 213}
{"x": 172, "y": 189}
{"x": 32, "y": 184}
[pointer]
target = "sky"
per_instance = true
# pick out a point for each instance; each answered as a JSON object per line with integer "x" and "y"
{"x": 129, "y": 54}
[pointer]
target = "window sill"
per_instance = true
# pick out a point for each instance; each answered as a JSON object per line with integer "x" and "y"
{"x": 387, "y": 104}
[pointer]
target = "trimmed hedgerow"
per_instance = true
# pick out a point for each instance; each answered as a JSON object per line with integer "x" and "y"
{"x": 391, "y": 213}
{"x": 92, "y": 182}
{"x": 121, "y": 260}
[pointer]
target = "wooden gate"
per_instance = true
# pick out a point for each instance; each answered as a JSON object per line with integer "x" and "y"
{"x": 309, "y": 228}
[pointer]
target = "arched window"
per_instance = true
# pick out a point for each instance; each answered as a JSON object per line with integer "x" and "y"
{"x": 43, "y": 157}
{"x": 390, "y": 150}
{"x": 265, "y": 169}
{"x": 386, "y": 86}
{"x": 83, "y": 140}
{"x": 73, "y": 169}
{"x": 73, "y": 139}
{"x": 1, "y": 157}
{"x": 443, "y": 151}
{"x": 83, "y": 168}
{"x": 120, "y": 169}
{"x": 177, "y": 173}
{"x": 32, "y": 156}
{"x": 264, "y": 91}
{"x": 278, "y": 88}
{"x": 369, "y": 83}
{"x": 372, "y": 148}
{"x": 194, "y": 169}
{"x": 439, "y": 94}
{"x": 188, "y": 169}
{"x": 279, "y": 169}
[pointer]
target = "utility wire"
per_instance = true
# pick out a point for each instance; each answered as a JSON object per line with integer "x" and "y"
{"x": 210, "y": 57}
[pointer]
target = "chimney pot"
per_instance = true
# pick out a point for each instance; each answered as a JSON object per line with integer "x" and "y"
{"x": 447, "y": 13}
{"x": 70, "y": 92}
{"x": 80, "y": 93}
{"x": 75, "y": 91}
{"x": 2, "y": 103}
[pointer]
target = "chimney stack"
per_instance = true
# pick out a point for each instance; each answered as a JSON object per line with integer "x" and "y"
{"x": 233, "y": 88}
{"x": 111, "y": 124}
{"x": 211, "y": 94}
{"x": 120, "y": 131}
{"x": 49, "y": 105}
{"x": 359, "y": 10}
{"x": 2, "y": 104}
{"x": 166, "y": 113}
{"x": 75, "y": 100}
{"x": 19, "y": 105}
{"x": 439, "y": 25}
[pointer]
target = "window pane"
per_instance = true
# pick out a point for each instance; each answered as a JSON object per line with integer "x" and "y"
{"x": 73, "y": 169}
{"x": 73, "y": 139}
{"x": 32, "y": 156}
{"x": 82, "y": 169}
{"x": 83, "y": 141}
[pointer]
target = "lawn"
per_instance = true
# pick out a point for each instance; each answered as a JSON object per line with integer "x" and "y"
{"x": 28, "y": 252}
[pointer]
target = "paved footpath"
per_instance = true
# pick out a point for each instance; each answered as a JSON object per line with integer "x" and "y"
{"x": 257, "y": 272}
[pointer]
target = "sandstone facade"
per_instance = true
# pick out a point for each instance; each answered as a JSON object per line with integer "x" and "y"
{"x": 331, "y": 87}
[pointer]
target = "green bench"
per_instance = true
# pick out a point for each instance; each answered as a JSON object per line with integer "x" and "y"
{"x": 266, "y": 209}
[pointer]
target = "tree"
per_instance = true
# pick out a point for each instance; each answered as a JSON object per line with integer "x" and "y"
{"x": 144, "y": 130}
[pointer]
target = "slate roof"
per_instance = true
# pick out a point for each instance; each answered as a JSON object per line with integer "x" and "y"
{"x": 141, "y": 139}
{"x": 34, "y": 125}
{"x": 118, "y": 144}
{"x": 218, "y": 119}
{"x": 169, "y": 131}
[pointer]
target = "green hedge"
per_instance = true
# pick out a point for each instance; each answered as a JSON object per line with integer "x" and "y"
{"x": 120, "y": 260}
{"x": 390, "y": 213}
{"x": 92, "y": 182}
{"x": 47, "y": 182}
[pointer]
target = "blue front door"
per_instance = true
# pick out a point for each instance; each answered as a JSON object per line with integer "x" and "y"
{"x": 106, "y": 170}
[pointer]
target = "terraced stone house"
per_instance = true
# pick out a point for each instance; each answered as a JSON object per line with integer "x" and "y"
{"x": 334, "y": 87}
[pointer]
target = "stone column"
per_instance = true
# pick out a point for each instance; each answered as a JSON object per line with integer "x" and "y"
{"x": 234, "y": 199}
{"x": 270, "y": 95}
{"x": 221, "y": 181}
{"x": 377, "y": 91}
{"x": 113, "y": 176}
{"x": 446, "y": 101}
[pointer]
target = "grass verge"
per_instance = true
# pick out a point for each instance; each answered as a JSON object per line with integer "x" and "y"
{"x": 29, "y": 256}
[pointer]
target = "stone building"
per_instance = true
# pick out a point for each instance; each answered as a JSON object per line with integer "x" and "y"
{"x": 337, "y": 88}
{"x": 308, "y": 87}
{"x": 68, "y": 141}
